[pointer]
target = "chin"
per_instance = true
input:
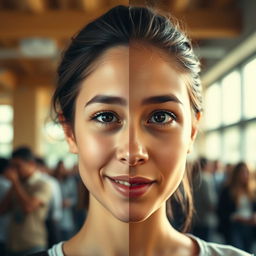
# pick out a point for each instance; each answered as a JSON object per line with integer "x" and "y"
{"x": 130, "y": 217}
{"x": 136, "y": 217}
{"x": 123, "y": 218}
{"x": 121, "y": 214}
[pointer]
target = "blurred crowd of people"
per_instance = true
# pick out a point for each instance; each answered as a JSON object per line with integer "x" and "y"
{"x": 225, "y": 203}
{"x": 40, "y": 207}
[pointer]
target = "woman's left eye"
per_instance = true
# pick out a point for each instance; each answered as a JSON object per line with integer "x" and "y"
{"x": 162, "y": 117}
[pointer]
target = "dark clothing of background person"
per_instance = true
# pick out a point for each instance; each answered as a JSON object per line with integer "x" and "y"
{"x": 235, "y": 233}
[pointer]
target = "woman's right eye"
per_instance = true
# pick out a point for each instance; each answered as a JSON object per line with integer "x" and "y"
{"x": 106, "y": 118}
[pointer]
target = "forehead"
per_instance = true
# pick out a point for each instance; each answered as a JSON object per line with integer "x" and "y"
{"x": 133, "y": 72}
{"x": 110, "y": 74}
{"x": 152, "y": 71}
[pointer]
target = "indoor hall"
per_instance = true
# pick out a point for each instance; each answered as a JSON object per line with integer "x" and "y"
{"x": 33, "y": 36}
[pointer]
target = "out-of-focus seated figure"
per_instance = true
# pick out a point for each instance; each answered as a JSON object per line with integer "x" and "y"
{"x": 28, "y": 203}
{"x": 237, "y": 208}
{"x": 69, "y": 194}
{"x": 5, "y": 185}
{"x": 55, "y": 208}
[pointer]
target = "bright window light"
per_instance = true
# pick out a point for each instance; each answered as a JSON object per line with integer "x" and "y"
{"x": 231, "y": 147}
{"x": 231, "y": 92}
{"x": 212, "y": 112}
{"x": 249, "y": 73}
{"x": 6, "y": 133}
{"x": 6, "y": 114}
{"x": 213, "y": 146}
{"x": 250, "y": 143}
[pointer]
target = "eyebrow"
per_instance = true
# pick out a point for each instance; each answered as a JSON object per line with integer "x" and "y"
{"x": 105, "y": 99}
{"x": 161, "y": 99}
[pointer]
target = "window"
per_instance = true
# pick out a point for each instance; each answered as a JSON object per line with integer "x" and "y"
{"x": 231, "y": 145}
{"x": 213, "y": 106}
{"x": 249, "y": 76}
{"x": 231, "y": 91}
{"x": 250, "y": 143}
{"x": 213, "y": 146}
{"x": 230, "y": 116}
{"x": 6, "y": 130}
{"x": 55, "y": 147}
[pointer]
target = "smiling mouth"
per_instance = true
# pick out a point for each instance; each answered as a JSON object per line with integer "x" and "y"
{"x": 131, "y": 181}
{"x": 131, "y": 186}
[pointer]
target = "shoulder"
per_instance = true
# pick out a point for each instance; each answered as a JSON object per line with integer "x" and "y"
{"x": 207, "y": 248}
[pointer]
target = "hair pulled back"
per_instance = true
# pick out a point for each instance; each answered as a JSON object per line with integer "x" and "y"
{"x": 120, "y": 26}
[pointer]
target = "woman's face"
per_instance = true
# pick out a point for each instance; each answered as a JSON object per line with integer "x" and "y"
{"x": 133, "y": 129}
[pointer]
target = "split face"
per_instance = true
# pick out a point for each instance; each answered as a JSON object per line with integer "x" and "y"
{"x": 133, "y": 129}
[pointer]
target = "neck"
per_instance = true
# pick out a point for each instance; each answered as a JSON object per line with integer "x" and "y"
{"x": 156, "y": 236}
{"x": 103, "y": 234}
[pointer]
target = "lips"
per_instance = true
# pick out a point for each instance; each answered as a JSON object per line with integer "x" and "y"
{"x": 131, "y": 186}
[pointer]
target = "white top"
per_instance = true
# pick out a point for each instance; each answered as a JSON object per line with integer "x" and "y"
{"x": 244, "y": 209}
{"x": 213, "y": 249}
{"x": 56, "y": 250}
{"x": 206, "y": 249}
{"x": 55, "y": 207}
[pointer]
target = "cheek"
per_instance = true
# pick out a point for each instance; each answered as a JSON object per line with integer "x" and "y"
{"x": 171, "y": 155}
{"x": 172, "y": 148}
{"x": 93, "y": 152}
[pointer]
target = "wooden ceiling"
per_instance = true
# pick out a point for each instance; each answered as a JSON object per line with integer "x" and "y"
{"x": 60, "y": 19}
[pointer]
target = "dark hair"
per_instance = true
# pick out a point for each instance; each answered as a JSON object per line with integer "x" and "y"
{"x": 4, "y": 163}
{"x": 120, "y": 26}
{"x": 24, "y": 153}
{"x": 39, "y": 161}
{"x": 236, "y": 183}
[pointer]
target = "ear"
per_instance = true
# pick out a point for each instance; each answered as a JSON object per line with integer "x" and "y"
{"x": 194, "y": 130}
{"x": 69, "y": 134}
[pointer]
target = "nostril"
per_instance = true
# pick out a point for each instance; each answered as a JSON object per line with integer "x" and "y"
{"x": 137, "y": 161}
{"x": 123, "y": 160}
{"x": 140, "y": 161}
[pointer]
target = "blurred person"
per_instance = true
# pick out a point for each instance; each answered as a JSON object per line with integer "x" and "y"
{"x": 205, "y": 200}
{"x": 69, "y": 199}
{"x": 5, "y": 185}
{"x": 219, "y": 176}
{"x": 54, "y": 215}
{"x": 228, "y": 169}
{"x": 237, "y": 208}
{"x": 28, "y": 203}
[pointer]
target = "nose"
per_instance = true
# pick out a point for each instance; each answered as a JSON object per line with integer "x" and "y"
{"x": 132, "y": 150}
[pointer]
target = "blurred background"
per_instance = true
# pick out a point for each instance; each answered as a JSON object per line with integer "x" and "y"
{"x": 33, "y": 34}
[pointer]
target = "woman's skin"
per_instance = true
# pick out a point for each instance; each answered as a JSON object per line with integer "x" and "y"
{"x": 140, "y": 137}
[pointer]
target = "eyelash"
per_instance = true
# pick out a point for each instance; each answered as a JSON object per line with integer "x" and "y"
{"x": 95, "y": 117}
{"x": 170, "y": 114}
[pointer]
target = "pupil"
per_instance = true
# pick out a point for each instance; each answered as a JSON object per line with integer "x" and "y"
{"x": 160, "y": 117}
{"x": 107, "y": 117}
